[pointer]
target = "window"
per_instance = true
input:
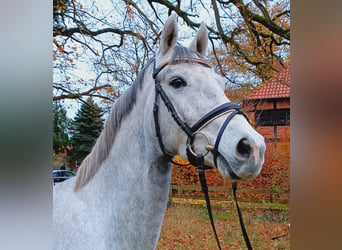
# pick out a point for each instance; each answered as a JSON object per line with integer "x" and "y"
{"x": 280, "y": 117}
{"x": 283, "y": 117}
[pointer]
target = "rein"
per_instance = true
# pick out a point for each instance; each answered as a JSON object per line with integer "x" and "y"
{"x": 195, "y": 159}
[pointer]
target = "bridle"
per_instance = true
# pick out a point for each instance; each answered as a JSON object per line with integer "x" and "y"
{"x": 227, "y": 108}
{"x": 197, "y": 159}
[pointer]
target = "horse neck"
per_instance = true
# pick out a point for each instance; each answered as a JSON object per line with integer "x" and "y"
{"x": 133, "y": 183}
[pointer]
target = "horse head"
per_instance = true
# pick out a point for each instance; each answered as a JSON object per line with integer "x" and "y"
{"x": 195, "y": 117}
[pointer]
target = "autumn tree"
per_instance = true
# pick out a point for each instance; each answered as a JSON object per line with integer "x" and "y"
{"x": 112, "y": 41}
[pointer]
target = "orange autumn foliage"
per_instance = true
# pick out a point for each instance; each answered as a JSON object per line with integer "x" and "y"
{"x": 275, "y": 174}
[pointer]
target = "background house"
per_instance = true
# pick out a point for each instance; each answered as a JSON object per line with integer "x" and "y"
{"x": 268, "y": 107}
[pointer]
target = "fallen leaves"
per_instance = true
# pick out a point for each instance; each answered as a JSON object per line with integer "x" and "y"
{"x": 187, "y": 227}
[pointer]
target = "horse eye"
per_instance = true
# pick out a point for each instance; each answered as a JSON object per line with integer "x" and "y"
{"x": 177, "y": 83}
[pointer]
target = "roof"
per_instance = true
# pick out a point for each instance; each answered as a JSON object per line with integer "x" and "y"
{"x": 277, "y": 87}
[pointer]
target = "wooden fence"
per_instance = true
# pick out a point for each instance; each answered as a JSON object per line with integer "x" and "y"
{"x": 224, "y": 193}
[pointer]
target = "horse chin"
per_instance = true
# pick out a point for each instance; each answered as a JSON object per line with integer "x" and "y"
{"x": 242, "y": 172}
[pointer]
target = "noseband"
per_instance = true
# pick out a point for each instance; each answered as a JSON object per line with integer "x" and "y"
{"x": 198, "y": 159}
{"x": 227, "y": 108}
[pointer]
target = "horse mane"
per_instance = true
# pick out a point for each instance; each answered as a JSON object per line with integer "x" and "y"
{"x": 100, "y": 151}
{"x": 121, "y": 108}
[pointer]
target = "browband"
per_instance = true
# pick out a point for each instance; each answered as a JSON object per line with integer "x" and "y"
{"x": 178, "y": 60}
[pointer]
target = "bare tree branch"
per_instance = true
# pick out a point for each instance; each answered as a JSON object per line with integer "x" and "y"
{"x": 71, "y": 95}
{"x": 245, "y": 37}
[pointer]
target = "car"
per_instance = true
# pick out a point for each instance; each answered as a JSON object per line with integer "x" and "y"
{"x": 61, "y": 175}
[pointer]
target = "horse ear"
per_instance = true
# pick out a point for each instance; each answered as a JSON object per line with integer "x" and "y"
{"x": 169, "y": 34}
{"x": 200, "y": 42}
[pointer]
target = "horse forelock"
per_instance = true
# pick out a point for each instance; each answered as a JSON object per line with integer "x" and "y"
{"x": 100, "y": 151}
{"x": 181, "y": 52}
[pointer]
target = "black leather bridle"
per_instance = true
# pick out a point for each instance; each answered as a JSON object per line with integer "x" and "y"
{"x": 227, "y": 108}
{"x": 194, "y": 158}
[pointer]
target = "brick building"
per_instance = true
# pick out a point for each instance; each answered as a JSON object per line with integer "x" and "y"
{"x": 268, "y": 107}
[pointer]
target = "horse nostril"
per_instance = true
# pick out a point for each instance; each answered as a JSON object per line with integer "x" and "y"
{"x": 244, "y": 148}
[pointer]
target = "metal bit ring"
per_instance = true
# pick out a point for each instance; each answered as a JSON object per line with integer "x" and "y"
{"x": 190, "y": 140}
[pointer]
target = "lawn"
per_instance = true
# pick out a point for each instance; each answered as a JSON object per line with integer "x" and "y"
{"x": 187, "y": 226}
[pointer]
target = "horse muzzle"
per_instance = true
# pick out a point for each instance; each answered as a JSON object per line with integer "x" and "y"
{"x": 236, "y": 157}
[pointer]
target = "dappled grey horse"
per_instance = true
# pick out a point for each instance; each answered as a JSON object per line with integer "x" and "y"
{"x": 176, "y": 105}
